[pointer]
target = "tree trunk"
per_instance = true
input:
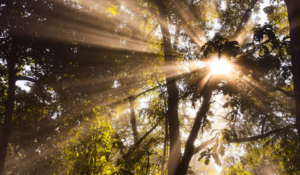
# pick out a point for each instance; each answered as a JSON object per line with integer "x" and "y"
{"x": 138, "y": 143}
{"x": 6, "y": 128}
{"x": 189, "y": 146}
{"x": 165, "y": 147}
{"x": 293, "y": 7}
{"x": 172, "y": 90}
{"x": 133, "y": 120}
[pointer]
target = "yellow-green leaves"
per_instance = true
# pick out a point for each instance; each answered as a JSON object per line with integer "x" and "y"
{"x": 112, "y": 9}
{"x": 91, "y": 147}
{"x": 236, "y": 170}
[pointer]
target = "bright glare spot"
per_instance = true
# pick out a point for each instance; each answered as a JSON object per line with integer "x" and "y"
{"x": 220, "y": 66}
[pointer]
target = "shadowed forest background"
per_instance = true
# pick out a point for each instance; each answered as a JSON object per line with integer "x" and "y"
{"x": 148, "y": 87}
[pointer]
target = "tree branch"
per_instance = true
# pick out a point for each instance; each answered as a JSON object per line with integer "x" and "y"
{"x": 133, "y": 120}
{"x": 189, "y": 146}
{"x": 204, "y": 144}
{"x": 18, "y": 78}
{"x": 284, "y": 92}
{"x": 273, "y": 89}
{"x": 258, "y": 137}
{"x": 136, "y": 96}
{"x": 148, "y": 90}
{"x": 246, "y": 139}
{"x": 151, "y": 32}
{"x": 245, "y": 18}
{"x": 137, "y": 144}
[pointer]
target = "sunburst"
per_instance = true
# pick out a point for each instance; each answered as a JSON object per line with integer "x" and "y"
{"x": 220, "y": 67}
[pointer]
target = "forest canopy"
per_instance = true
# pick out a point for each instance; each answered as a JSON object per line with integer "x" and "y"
{"x": 150, "y": 87}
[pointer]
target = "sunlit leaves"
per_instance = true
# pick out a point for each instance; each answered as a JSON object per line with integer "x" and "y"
{"x": 236, "y": 170}
{"x": 277, "y": 15}
{"x": 112, "y": 9}
{"x": 91, "y": 152}
{"x": 95, "y": 55}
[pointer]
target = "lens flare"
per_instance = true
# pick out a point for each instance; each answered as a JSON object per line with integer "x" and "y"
{"x": 220, "y": 66}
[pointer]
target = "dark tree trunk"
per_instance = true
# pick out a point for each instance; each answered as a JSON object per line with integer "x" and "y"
{"x": 189, "y": 146}
{"x": 172, "y": 113}
{"x": 133, "y": 120}
{"x": 165, "y": 148}
{"x": 293, "y": 7}
{"x": 172, "y": 90}
{"x": 6, "y": 128}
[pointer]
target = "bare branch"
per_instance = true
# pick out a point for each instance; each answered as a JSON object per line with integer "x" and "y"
{"x": 137, "y": 144}
{"x": 284, "y": 92}
{"x": 151, "y": 32}
{"x": 246, "y": 139}
{"x": 204, "y": 144}
{"x": 18, "y": 78}
{"x": 258, "y": 137}
{"x": 142, "y": 93}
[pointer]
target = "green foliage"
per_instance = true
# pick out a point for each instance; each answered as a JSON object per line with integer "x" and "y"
{"x": 86, "y": 59}
{"x": 278, "y": 16}
{"x": 236, "y": 170}
{"x": 91, "y": 150}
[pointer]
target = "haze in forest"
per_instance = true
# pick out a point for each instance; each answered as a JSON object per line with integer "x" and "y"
{"x": 150, "y": 87}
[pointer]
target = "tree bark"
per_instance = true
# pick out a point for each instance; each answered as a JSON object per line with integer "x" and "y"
{"x": 6, "y": 128}
{"x": 293, "y": 8}
{"x": 165, "y": 147}
{"x": 133, "y": 120}
{"x": 172, "y": 90}
{"x": 189, "y": 147}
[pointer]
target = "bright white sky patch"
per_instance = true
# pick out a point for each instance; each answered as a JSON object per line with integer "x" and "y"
{"x": 261, "y": 14}
{"x": 220, "y": 66}
{"x": 22, "y": 85}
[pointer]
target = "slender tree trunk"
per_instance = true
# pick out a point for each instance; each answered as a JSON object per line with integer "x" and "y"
{"x": 172, "y": 90}
{"x": 165, "y": 148}
{"x": 189, "y": 146}
{"x": 133, "y": 120}
{"x": 293, "y": 7}
{"x": 172, "y": 113}
{"x": 138, "y": 143}
{"x": 175, "y": 45}
{"x": 6, "y": 128}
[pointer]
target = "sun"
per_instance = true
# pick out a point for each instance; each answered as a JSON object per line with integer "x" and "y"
{"x": 220, "y": 66}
